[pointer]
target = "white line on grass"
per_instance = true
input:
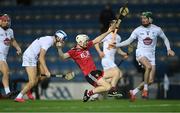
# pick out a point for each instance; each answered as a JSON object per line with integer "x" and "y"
{"x": 157, "y": 105}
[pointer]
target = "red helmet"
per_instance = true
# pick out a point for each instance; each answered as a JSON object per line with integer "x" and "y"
{"x": 6, "y": 17}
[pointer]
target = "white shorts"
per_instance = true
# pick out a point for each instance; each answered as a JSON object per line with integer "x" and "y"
{"x": 107, "y": 63}
{"x": 3, "y": 57}
{"x": 29, "y": 61}
{"x": 150, "y": 55}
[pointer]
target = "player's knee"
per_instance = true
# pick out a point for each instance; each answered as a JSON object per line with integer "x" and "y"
{"x": 6, "y": 74}
{"x": 108, "y": 87}
{"x": 148, "y": 67}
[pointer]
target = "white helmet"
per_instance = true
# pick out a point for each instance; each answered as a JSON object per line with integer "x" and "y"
{"x": 82, "y": 39}
{"x": 61, "y": 35}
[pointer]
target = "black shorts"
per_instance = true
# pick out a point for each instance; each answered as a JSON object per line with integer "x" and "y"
{"x": 94, "y": 76}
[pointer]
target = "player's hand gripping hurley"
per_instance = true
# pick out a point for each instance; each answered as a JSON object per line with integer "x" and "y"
{"x": 123, "y": 11}
{"x": 68, "y": 76}
{"x": 130, "y": 50}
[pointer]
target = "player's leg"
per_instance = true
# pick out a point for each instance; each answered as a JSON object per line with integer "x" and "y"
{"x": 96, "y": 79}
{"x": 143, "y": 85}
{"x": 111, "y": 70}
{"x": 5, "y": 79}
{"x": 132, "y": 93}
{"x": 152, "y": 74}
{"x": 32, "y": 75}
{"x": 150, "y": 81}
{"x": 38, "y": 71}
{"x": 102, "y": 86}
{"x": 113, "y": 75}
{"x": 148, "y": 67}
{"x": 97, "y": 96}
{"x": 41, "y": 71}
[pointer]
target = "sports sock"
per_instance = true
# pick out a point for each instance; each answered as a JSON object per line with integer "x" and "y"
{"x": 20, "y": 95}
{"x": 90, "y": 93}
{"x": 7, "y": 90}
{"x": 145, "y": 87}
{"x": 135, "y": 91}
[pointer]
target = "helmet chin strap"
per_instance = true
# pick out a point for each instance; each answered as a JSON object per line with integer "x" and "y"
{"x": 56, "y": 38}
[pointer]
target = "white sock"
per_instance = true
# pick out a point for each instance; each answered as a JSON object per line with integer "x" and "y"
{"x": 135, "y": 91}
{"x": 7, "y": 90}
{"x": 20, "y": 95}
{"x": 145, "y": 87}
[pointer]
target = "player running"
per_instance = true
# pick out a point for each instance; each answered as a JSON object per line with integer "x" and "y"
{"x": 6, "y": 40}
{"x": 108, "y": 62}
{"x": 146, "y": 34}
{"x": 81, "y": 55}
{"x": 35, "y": 54}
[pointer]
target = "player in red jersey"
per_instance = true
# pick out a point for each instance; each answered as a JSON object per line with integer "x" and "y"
{"x": 81, "y": 55}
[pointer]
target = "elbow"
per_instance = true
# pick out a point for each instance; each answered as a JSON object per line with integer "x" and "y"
{"x": 62, "y": 57}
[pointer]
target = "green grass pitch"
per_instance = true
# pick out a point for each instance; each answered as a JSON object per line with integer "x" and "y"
{"x": 117, "y": 105}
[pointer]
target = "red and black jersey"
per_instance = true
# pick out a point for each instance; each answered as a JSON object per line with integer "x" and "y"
{"x": 83, "y": 58}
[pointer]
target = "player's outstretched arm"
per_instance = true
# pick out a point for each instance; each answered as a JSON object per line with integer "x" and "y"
{"x": 102, "y": 36}
{"x": 62, "y": 55}
{"x": 125, "y": 43}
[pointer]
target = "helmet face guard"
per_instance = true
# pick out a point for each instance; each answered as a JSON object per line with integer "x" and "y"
{"x": 82, "y": 40}
{"x": 61, "y": 35}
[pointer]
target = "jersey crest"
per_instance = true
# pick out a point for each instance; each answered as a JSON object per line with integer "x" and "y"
{"x": 147, "y": 41}
{"x": 7, "y": 41}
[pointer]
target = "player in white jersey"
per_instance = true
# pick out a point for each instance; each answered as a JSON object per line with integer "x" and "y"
{"x": 108, "y": 62}
{"x": 146, "y": 34}
{"x": 34, "y": 53}
{"x": 0, "y": 19}
{"x": 6, "y": 40}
